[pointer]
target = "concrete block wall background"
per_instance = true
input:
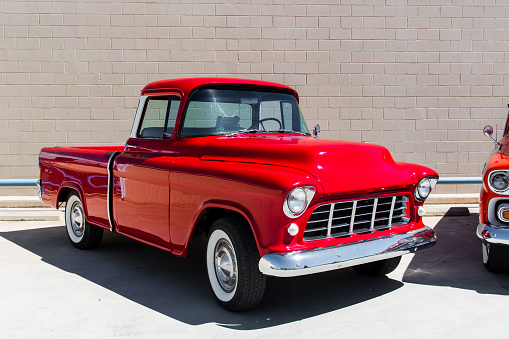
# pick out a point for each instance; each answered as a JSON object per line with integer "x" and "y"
{"x": 421, "y": 77}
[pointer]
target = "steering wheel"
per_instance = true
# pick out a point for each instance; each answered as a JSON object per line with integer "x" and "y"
{"x": 268, "y": 119}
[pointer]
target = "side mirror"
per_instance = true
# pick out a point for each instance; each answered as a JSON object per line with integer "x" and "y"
{"x": 488, "y": 131}
{"x": 316, "y": 131}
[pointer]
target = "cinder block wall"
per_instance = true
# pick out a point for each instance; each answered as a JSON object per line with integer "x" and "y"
{"x": 421, "y": 77}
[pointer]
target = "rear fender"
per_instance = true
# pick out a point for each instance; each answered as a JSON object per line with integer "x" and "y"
{"x": 63, "y": 194}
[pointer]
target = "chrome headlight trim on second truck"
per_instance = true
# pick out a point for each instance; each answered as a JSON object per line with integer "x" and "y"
{"x": 498, "y": 181}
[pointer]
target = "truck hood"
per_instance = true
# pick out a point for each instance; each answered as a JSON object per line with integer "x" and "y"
{"x": 340, "y": 166}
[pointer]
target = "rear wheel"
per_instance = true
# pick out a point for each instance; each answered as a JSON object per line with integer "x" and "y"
{"x": 81, "y": 234}
{"x": 232, "y": 265}
{"x": 378, "y": 268}
{"x": 495, "y": 257}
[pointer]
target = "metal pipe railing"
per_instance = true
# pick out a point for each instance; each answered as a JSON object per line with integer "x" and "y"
{"x": 18, "y": 182}
{"x": 444, "y": 181}
{"x": 460, "y": 180}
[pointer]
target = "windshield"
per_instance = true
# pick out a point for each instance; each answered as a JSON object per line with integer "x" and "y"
{"x": 213, "y": 111}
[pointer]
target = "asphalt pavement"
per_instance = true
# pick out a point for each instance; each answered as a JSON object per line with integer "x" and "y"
{"x": 49, "y": 289}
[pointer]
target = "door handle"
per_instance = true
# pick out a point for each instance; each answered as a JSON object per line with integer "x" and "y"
{"x": 127, "y": 146}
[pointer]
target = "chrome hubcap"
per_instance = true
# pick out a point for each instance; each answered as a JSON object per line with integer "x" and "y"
{"x": 225, "y": 265}
{"x": 77, "y": 220}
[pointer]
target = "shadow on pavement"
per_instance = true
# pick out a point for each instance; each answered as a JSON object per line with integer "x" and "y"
{"x": 456, "y": 260}
{"x": 179, "y": 288}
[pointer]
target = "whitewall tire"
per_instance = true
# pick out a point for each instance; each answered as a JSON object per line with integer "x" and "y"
{"x": 81, "y": 234}
{"x": 222, "y": 266}
{"x": 232, "y": 265}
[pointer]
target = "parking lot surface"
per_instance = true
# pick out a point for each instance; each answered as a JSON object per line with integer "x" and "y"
{"x": 127, "y": 289}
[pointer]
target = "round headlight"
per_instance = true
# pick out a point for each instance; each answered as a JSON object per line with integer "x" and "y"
{"x": 297, "y": 200}
{"x": 499, "y": 181}
{"x": 423, "y": 189}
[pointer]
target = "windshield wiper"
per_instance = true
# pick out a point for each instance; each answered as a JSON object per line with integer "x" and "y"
{"x": 251, "y": 130}
{"x": 246, "y": 131}
{"x": 286, "y": 131}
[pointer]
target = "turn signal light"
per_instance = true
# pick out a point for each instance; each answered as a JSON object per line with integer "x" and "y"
{"x": 293, "y": 229}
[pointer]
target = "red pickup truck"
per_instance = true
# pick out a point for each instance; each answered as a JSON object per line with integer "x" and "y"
{"x": 234, "y": 159}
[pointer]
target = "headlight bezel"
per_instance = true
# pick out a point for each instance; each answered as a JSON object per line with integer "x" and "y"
{"x": 425, "y": 183}
{"x": 309, "y": 192}
{"x": 490, "y": 185}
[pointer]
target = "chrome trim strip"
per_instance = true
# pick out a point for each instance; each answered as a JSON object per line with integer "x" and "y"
{"x": 340, "y": 226}
{"x": 292, "y": 264}
{"x": 392, "y": 210}
{"x": 364, "y": 214}
{"x": 331, "y": 215}
{"x": 317, "y": 221}
{"x": 493, "y": 234}
{"x": 109, "y": 196}
{"x": 373, "y": 215}
{"x": 352, "y": 219}
{"x": 341, "y": 209}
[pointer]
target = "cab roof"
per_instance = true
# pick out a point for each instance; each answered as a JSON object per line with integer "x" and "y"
{"x": 187, "y": 85}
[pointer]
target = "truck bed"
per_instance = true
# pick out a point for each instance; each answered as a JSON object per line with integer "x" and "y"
{"x": 80, "y": 168}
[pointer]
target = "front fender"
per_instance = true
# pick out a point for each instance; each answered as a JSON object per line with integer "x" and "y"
{"x": 255, "y": 191}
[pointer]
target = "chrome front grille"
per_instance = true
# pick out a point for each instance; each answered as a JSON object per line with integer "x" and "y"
{"x": 356, "y": 216}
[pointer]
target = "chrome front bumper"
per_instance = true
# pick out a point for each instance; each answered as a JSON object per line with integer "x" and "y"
{"x": 292, "y": 264}
{"x": 493, "y": 234}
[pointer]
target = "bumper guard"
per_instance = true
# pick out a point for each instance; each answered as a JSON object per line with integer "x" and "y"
{"x": 493, "y": 234}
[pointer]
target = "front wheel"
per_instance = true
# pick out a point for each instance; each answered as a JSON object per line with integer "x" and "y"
{"x": 232, "y": 265}
{"x": 378, "y": 268}
{"x": 81, "y": 234}
{"x": 495, "y": 258}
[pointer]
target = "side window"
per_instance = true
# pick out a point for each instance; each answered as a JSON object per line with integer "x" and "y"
{"x": 159, "y": 117}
